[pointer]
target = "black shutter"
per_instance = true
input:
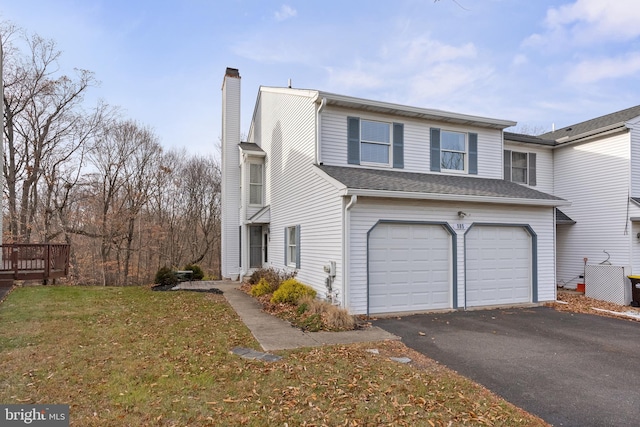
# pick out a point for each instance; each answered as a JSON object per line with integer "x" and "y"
{"x": 398, "y": 145}
{"x": 507, "y": 165}
{"x": 353, "y": 140}
{"x": 435, "y": 150}
{"x": 532, "y": 168}
{"x": 473, "y": 153}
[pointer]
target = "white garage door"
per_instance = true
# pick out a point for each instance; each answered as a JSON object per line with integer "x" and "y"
{"x": 409, "y": 268}
{"x": 498, "y": 265}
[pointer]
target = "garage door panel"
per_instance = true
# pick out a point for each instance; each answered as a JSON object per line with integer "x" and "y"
{"x": 409, "y": 268}
{"x": 498, "y": 268}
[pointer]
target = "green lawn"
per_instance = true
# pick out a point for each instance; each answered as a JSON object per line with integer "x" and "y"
{"x": 132, "y": 357}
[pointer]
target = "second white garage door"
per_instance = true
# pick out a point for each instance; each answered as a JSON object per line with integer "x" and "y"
{"x": 409, "y": 268}
{"x": 498, "y": 266}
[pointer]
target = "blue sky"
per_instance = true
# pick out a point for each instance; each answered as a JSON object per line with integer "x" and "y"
{"x": 536, "y": 62}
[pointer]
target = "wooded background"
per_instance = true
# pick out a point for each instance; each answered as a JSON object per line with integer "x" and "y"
{"x": 85, "y": 175}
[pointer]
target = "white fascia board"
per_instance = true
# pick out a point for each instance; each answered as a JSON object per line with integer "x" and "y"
{"x": 308, "y": 93}
{"x": 252, "y": 153}
{"x": 453, "y": 197}
{"x": 331, "y": 180}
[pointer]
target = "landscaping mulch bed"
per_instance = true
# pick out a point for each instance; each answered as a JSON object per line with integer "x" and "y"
{"x": 290, "y": 313}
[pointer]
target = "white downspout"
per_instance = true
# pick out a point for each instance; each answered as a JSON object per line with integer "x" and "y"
{"x": 323, "y": 103}
{"x": 346, "y": 248}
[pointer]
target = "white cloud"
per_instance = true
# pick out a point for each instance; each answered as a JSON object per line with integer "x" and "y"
{"x": 519, "y": 59}
{"x": 444, "y": 80}
{"x": 285, "y": 12}
{"x": 418, "y": 70}
{"x": 593, "y": 70}
{"x": 425, "y": 50}
{"x": 589, "y": 21}
{"x": 354, "y": 79}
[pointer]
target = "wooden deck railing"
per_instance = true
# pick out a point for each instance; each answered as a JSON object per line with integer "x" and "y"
{"x": 23, "y": 261}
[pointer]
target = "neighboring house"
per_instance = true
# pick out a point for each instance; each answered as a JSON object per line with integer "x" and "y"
{"x": 387, "y": 208}
{"x": 596, "y": 166}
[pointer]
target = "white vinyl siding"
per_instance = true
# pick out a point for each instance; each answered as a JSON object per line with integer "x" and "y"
{"x": 296, "y": 194}
{"x": 634, "y": 136}
{"x": 594, "y": 176}
{"x": 230, "y": 192}
{"x": 544, "y": 164}
{"x": 368, "y": 211}
{"x": 416, "y": 141}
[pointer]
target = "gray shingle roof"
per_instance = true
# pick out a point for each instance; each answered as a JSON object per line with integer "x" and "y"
{"x": 530, "y": 139}
{"x": 250, "y": 146}
{"x": 619, "y": 117}
{"x": 563, "y": 218}
{"x": 392, "y": 180}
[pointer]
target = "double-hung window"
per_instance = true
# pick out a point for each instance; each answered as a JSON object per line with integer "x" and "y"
{"x": 255, "y": 184}
{"x": 520, "y": 167}
{"x": 453, "y": 151}
{"x": 375, "y": 142}
{"x": 292, "y": 246}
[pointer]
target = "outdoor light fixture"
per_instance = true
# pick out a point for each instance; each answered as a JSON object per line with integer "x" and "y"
{"x": 463, "y": 214}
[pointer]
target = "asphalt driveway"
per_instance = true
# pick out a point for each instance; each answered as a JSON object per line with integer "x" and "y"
{"x": 569, "y": 369}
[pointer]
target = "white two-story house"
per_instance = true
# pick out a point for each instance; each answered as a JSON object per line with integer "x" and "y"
{"x": 388, "y": 208}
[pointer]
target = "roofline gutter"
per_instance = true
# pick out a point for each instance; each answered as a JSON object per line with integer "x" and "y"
{"x": 452, "y": 197}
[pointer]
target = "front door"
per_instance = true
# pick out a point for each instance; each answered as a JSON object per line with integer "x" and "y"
{"x": 255, "y": 246}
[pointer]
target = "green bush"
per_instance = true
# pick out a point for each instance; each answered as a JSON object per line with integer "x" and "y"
{"x": 262, "y": 288}
{"x": 290, "y": 291}
{"x": 166, "y": 276}
{"x": 198, "y": 274}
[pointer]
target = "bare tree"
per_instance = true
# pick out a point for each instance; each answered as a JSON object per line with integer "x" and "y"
{"x": 140, "y": 172}
{"x": 43, "y": 123}
{"x": 100, "y": 183}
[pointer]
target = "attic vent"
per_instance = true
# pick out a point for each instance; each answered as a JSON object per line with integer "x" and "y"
{"x": 568, "y": 129}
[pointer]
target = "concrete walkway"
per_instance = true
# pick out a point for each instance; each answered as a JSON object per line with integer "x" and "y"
{"x": 274, "y": 333}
